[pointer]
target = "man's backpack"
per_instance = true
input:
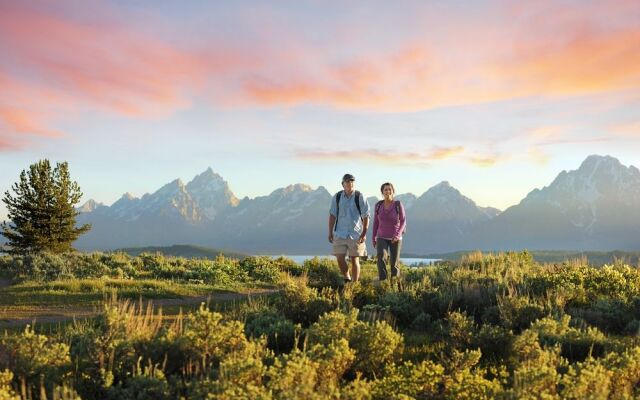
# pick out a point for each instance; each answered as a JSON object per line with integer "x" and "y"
{"x": 338, "y": 196}
{"x": 397, "y": 204}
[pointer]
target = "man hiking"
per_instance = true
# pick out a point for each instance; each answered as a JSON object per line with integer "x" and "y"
{"x": 348, "y": 223}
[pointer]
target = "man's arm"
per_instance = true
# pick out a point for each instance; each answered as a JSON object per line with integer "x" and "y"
{"x": 365, "y": 217}
{"x": 365, "y": 226}
{"x": 332, "y": 223}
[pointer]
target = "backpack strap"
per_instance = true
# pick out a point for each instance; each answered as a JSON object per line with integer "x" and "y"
{"x": 357, "y": 199}
{"x": 338, "y": 195}
{"x": 378, "y": 205}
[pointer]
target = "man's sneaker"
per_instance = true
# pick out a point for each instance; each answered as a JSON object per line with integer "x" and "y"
{"x": 346, "y": 280}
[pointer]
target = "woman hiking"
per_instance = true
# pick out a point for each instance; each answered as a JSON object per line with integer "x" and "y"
{"x": 389, "y": 223}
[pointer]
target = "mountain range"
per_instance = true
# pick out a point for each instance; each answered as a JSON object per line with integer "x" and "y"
{"x": 596, "y": 207}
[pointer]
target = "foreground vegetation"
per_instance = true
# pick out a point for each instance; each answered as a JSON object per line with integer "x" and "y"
{"x": 596, "y": 258}
{"x": 490, "y": 326}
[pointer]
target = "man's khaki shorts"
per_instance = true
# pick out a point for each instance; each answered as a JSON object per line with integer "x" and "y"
{"x": 342, "y": 246}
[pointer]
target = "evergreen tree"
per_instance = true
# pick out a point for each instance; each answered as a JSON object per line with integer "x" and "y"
{"x": 41, "y": 210}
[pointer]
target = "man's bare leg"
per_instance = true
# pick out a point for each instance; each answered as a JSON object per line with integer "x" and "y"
{"x": 355, "y": 268}
{"x": 342, "y": 263}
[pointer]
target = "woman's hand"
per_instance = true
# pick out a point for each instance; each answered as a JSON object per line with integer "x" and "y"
{"x": 374, "y": 242}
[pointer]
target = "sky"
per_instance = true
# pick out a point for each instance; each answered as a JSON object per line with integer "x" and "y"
{"x": 496, "y": 97}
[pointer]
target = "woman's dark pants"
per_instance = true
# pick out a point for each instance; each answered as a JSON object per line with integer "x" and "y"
{"x": 384, "y": 247}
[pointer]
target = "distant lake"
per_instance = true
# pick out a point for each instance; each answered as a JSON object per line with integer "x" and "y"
{"x": 406, "y": 261}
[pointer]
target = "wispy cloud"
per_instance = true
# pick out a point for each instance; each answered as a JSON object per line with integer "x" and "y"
{"x": 545, "y": 133}
{"x": 110, "y": 65}
{"x": 25, "y": 122}
{"x": 100, "y": 66}
{"x": 538, "y": 155}
{"x": 486, "y": 160}
{"x": 590, "y": 63}
{"x": 384, "y": 156}
{"x": 630, "y": 129}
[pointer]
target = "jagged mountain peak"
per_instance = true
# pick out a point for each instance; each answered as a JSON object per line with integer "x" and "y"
{"x": 206, "y": 178}
{"x": 89, "y": 206}
{"x": 323, "y": 190}
{"x": 443, "y": 185}
{"x": 602, "y": 175}
{"x": 442, "y": 190}
{"x": 175, "y": 183}
{"x": 172, "y": 188}
{"x": 594, "y": 161}
{"x": 291, "y": 189}
{"x": 211, "y": 192}
{"x": 126, "y": 200}
{"x": 128, "y": 196}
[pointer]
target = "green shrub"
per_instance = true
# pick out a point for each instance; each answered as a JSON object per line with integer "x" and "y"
{"x": 279, "y": 331}
{"x": 303, "y": 304}
{"x": 210, "y": 338}
{"x": 314, "y": 374}
{"x": 149, "y": 383}
{"x": 518, "y": 312}
{"x": 588, "y": 380}
{"x": 35, "y": 358}
{"x": 240, "y": 376}
{"x": 6, "y": 391}
{"x": 463, "y": 381}
{"x": 376, "y": 344}
{"x": 323, "y": 272}
{"x": 261, "y": 268}
{"x": 576, "y": 344}
{"x": 495, "y": 342}
{"x": 409, "y": 381}
{"x": 404, "y": 306}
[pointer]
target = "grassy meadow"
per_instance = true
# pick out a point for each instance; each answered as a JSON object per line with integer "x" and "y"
{"x": 157, "y": 327}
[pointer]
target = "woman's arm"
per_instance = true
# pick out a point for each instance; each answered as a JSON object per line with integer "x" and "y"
{"x": 403, "y": 221}
{"x": 375, "y": 225}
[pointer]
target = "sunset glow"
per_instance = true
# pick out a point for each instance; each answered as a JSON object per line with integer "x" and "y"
{"x": 496, "y": 98}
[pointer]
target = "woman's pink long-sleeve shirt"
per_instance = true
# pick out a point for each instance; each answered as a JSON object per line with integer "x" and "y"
{"x": 387, "y": 224}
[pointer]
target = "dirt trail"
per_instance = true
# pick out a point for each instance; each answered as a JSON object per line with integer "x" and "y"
{"x": 47, "y": 314}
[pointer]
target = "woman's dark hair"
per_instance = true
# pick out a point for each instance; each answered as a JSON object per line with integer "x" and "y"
{"x": 387, "y": 184}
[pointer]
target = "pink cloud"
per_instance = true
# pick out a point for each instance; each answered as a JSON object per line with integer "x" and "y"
{"x": 629, "y": 129}
{"x": 486, "y": 160}
{"x": 67, "y": 66}
{"x": 111, "y": 67}
{"x": 538, "y": 155}
{"x": 591, "y": 63}
{"x": 55, "y": 68}
{"x": 384, "y": 156}
{"x": 25, "y": 122}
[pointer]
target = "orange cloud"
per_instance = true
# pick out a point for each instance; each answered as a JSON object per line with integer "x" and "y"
{"x": 545, "y": 133}
{"x": 111, "y": 67}
{"x": 55, "y": 68}
{"x": 564, "y": 51}
{"x": 631, "y": 129}
{"x": 486, "y": 160}
{"x": 538, "y": 156}
{"x": 8, "y": 144}
{"x": 23, "y": 121}
{"x": 411, "y": 80}
{"x": 384, "y": 156}
{"x": 442, "y": 153}
{"x": 107, "y": 66}
{"x": 591, "y": 63}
